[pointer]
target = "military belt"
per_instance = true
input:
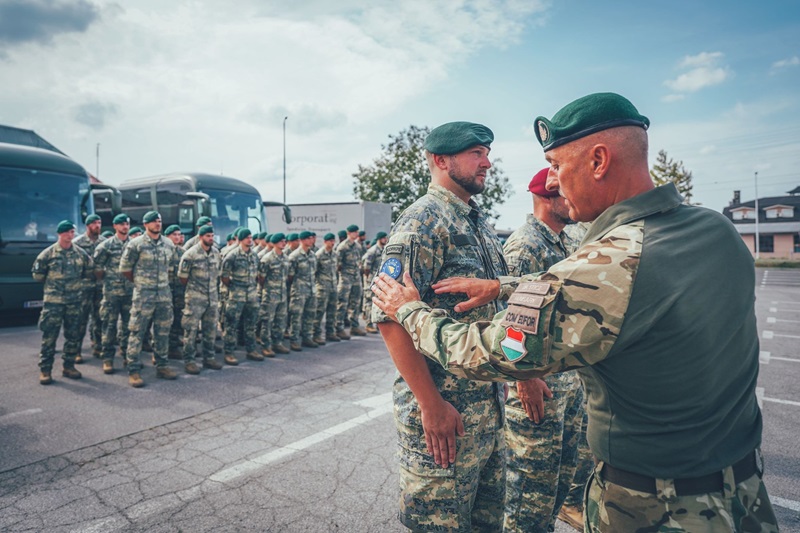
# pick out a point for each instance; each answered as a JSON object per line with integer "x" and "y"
{"x": 742, "y": 470}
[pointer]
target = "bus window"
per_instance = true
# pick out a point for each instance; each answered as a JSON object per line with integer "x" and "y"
{"x": 135, "y": 203}
{"x": 230, "y": 210}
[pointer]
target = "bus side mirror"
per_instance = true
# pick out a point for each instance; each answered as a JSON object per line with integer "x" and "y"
{"x": 287, "y": 211}
{"x": 203, "y": 203}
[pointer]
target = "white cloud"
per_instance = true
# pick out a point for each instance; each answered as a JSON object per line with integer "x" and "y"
{"x": 703, "y": 72}
{"x": 673, "y": 98}
{"x": 703, "y": 59}
{"x": 785, "y": 63}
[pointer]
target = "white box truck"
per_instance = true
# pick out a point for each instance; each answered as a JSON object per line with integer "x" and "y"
{"x": 372, "y": 217}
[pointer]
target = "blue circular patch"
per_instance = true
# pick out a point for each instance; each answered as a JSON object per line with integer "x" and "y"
{"x": 393, "y": 267}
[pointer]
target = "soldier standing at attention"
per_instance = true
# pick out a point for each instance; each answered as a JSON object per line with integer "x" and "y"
{"x": 348, "y": 260}
{"x": 135, "y": 232}
{"x": 676, "y": 440}
{"x": 293, "y": 241}
{"x": 239, "y": 273}
{"x": 370, "y": 266}
{"x": 198, "y": 271}
{"x": 325, "y": 278}
{"x": 342, "y": 237}
{"x": 117, "y": 291}
{"x": 443, "y": 485}
{"x": 65, "y": 271}
{"x": 302, "y": 265}
{"x": 272, "y": 272}
{"x": 149, "y": 262}
{"x": 543, "y": 416}
{"x": 94, "y": 290}
{"x": 202, "y": 221}
{"x": 173, "y": 233}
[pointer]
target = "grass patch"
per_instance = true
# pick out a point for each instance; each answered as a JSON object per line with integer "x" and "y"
{"x": 777, "y": 263}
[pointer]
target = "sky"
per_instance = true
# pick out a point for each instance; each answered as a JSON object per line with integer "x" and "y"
{"x": 204, "y": 85}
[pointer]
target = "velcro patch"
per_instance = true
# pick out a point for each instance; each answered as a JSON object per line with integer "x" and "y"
{"x": 528, "y": 300}
{"x": 461, "y": 239}
{"x": 522, "y": 318}
{"x": 394, "y": 249}
{"x": 534, "y": 287}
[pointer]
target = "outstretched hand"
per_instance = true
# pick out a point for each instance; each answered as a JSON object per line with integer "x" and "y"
{"x": 479, "y": 291}
{"x": 390, "y": 296}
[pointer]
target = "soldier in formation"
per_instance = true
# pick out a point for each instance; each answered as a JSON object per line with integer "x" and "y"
{"x": 173, "y": 233}
{"x": 94, "y": 290}
{"x": 273, "y": 270}
{"x": 370, "y": 265}
{"x": 348, "y": 259}
{"x": 302, "y": 268}
{"x": 325, "y": 278}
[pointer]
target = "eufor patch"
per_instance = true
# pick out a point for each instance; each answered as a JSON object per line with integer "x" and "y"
{"x": 513, "y": 345}
{"x": 392, "y": 267}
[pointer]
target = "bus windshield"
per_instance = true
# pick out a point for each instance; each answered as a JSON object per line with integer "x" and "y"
{"x": 230, "y": 210}
{"x": 33, "y": 202}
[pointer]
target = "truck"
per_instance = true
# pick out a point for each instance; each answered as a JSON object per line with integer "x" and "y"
{"x": 323, "y": 218}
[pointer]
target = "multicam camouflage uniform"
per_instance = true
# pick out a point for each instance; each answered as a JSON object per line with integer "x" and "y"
{"x": 325, "y": 277}
{"x": 152, "y": 262}
{"x": 273, "y": 269}
{"x": 93, "y": 298}
{"x": 541, "y": 458}
{"x": 371, "y": 264}
{"x": 642, "y": 320}
{"x": 65, "y": 274}
{"x": 242, "y": 269}
{"x": 437, "y": 237}
{"x": 178, "y": 305}
{"x": 201, "y": 269}
{"x": 117, "y": 296}
{"x": 348, "y": 259}
{"x": 302, "y": 303}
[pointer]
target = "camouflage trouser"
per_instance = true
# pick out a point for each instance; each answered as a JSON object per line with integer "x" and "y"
{"x": 739, "y": 507}
{"x": 273, "y": 321}
{"x": 368, "y": 300}
{"x": 91, "y": 308}
{"x": 326, "y": 307}
{"x": 348, "y": 297}
{"x": 146, "y": 311}
{"x": 176, "y": 330}
{"x": 541, "y": 458}
{"x": 583, "y": 470}
{"x": 466, "y": 496}
{"x": 302, "y": 308}
{"x": 199, "y": 314}
{"x": 50, "y": 320}
{"x": 248, "y": 312}
{"x": 114, "y": 309}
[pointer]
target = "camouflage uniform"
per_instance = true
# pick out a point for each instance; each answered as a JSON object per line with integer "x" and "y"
{"x": 93, "y": 298}
{"x": 302, "y": 303}
{"x": 541, "y": 458}
{"x": 325, "y": 278}
{"x": 201, "y": 269}
{"x": 153, "y": 264}
{"x": 348, "y": 259}
{"x": 117, "y": 296}
{"x": 437, "y": 237}
{"x": 178, "y": 305}
{"x": 371, "y": 264}
{"x": 65, "y": 274}
{"x": 273, "y": 268}
{"x": 242, "y": 269}
{"x": 641, "y": 318}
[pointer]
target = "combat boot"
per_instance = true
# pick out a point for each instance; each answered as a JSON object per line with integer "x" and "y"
{"x": 254, "y": 356}
{"x": 279, "y": 348}
{"x": 372, "y": 329}
{"x": 79, "y": 359}
{"x": 343, "y": 335}
{"x": 135, "y": 380}
{"x": 332, "y": 338}
{"x": 319, "y": 340}
{"x": 358, "y": 332}
{"x": 45, "y": 378}
{"x": 230, "y": 359}
{"x": 192, "y": 368}
{"x": 308, "y": 343}
{"x": 296, "y": 347}
{"x": 71, "y": 372}
{"x": 266, "y": 352}
{"x": 165, "y": 372}
{"x": 571, "y": 516}
{"x": 213, "y": 364}
{"x": 108, "y": 367}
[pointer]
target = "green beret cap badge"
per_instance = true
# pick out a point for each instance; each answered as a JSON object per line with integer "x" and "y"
{"x": 151, "y": 216}
{"x": 121, "y": 219}
{"x": 455, "y": 137}
{"x": 64, "y": 226}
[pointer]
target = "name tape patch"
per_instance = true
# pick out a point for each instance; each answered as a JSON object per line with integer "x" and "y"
{"x": 528, "y": 300}
{"x": 534, "y": 287}
{"x": 523, "y": 318}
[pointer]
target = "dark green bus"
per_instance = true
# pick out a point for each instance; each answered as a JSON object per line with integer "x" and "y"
{"x": 38, "y": 189}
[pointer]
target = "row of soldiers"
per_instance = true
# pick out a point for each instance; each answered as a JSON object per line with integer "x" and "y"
{"x": 258, "y": 290}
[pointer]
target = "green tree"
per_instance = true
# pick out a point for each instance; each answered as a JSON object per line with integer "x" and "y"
{"x": 400, "y": 175}
{"x": 666, "y": 170}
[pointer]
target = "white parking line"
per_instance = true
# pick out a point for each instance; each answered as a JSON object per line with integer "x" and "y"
{"x": 788, "y": 504}
{"x": 763, "y": 358}
{"x": 9, "y": 416}
{"x": 791, "y": 359}
{"x": 779, "y": 302}
{"x": 773, "y": 320}
{"x": 776, "y": 400}
{"x": 782, "y": 310}
{"x": 767, "y": 334}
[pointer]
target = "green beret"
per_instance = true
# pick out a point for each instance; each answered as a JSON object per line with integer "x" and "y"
{"x": 151, "y": 216}
{"x": 202, "y": 221}
{"x": 291, "y": 237}
{"x": 134, "y": 230}
{"x": 262, "y": 235}
{"x": 585, "y": 116}
{"x": 455, "y": 137}
{"x": 329, "y": 237}
{"x": 107, "y": 233}
{"x": 121, "y": 219}
{"x": 342, "y": 234}
{"x": 275, "y": 238}
{"x": 91, "y": 218}
{"x": 380, "y": 235}
{"x": 64, "y": 226}
{"x": 229, "y": 237}
{"x": 267, "y": 236}
{"x": 362, "y": 233}
{"x": 205, "y": 229}
{"x": 243, "y": 233}
{"x": 352, "y": 227}
{"x": 172, "y": 229}
{"x": 305, "y": 235}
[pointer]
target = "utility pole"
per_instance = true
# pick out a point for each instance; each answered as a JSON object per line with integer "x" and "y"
{"x": 757, "y": 236}
{"x": 97, "y": 164}
{"x": 284, "y": 159}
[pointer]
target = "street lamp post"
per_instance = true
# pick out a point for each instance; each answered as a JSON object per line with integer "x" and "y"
{"x": 284, "y": 159}
{"x": 97, "y": 165}
{"x": 757, "y": 236}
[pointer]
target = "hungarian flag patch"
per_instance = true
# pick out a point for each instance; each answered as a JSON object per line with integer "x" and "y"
{"x": 513, "y": 345}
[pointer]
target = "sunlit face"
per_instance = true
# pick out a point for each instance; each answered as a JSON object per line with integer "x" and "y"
{"x": 468, "y": 168}
{"x": 569, "y": 175}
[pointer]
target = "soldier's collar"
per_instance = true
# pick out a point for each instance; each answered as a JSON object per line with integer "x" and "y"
{"x": 544, "y": 229}
{"x": 450, "y": 198}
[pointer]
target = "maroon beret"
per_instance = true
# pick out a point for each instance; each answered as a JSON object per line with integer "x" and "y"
{"x": 536, "y": 185}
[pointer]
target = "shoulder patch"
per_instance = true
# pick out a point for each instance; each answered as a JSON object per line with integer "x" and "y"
{"x": 396, "y": 249}
{"x": 513, "y": 345}
{"x": 392, "y": 267}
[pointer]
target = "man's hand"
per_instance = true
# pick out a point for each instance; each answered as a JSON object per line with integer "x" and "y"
{"x": 479, "y": 291}
{"x": 441, "y": 423}
{"x": 390, "y": 296}
{"x": 532, "y": 393}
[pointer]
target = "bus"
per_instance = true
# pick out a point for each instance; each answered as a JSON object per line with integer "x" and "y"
{"x": 38, "y": 189}
{"x": 183, "y": 197}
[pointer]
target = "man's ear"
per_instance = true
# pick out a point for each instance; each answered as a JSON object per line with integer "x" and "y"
{"x": 600, "y": 160}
